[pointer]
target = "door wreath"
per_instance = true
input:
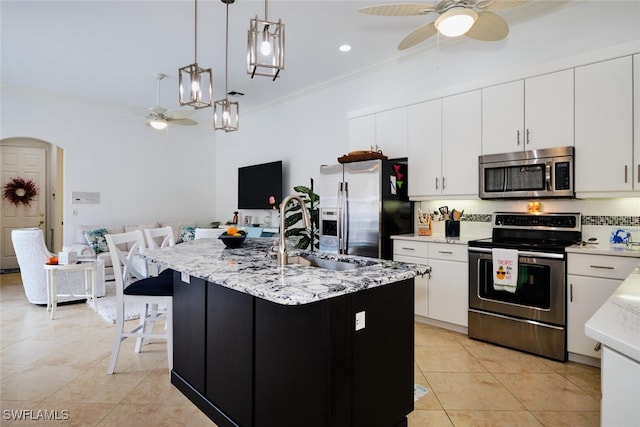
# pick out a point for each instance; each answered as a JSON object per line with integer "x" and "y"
{"x": 19, "y": 191}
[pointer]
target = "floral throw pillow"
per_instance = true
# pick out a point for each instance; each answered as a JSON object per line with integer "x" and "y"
{"x": 187, "y": 233}
{"x": 95, "y": 239}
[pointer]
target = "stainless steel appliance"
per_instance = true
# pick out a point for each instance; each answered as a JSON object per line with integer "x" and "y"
{"x": 362, "y": 204}
{"x": 533, "y": 317}
{"x": 545, "y": 173}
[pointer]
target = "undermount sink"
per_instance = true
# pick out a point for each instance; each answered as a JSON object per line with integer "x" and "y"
{"x": 328, "y": 264}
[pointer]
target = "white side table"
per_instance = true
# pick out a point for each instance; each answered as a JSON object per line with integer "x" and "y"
{"x": 52, "y": 270}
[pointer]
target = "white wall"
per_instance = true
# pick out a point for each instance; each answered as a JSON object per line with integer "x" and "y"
{"x": 310, "y": 129}
{"x": 142, "y": 175}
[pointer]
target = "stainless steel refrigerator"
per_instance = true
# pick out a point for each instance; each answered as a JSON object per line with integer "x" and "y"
{"x": 362, "y": 204}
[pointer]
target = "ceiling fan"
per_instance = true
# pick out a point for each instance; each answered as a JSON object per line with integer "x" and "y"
{"x": 473, "y": 18}
{"x": 159, "y": 117}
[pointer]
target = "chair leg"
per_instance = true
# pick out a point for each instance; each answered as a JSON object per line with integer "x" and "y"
{"x": 143, "y": 327}
{"x": 117, "y": 339}
{"x": 153, "y": 316}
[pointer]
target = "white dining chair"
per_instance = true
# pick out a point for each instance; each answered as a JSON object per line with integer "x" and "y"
{"x": 159, "y": 237}
{"x": 132, "y": 289}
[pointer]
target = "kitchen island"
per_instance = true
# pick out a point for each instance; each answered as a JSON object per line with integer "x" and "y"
{"x": 256, "y": 344}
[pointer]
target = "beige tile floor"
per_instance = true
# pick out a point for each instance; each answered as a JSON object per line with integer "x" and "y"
{"x": 61, "y": 366}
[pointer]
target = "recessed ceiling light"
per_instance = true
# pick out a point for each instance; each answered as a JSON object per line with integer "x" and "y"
{"x": 345, "y": 48}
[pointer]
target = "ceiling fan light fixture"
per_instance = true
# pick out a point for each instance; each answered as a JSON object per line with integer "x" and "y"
{"x": 265, "y": 47}
{"x": 456, "y": 21}
{"x": 159, "y": 124}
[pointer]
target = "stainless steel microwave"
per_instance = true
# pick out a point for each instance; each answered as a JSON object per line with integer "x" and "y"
{"x": 544, "y": 173}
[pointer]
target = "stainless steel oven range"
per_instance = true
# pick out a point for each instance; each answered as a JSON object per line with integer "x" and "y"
{"x": 531, "y": 314}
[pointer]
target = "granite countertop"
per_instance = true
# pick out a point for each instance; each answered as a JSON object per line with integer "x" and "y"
{"x": 253, "y": 269}
{"x": 617, "y": 323}
{"x": 617, "y": 249}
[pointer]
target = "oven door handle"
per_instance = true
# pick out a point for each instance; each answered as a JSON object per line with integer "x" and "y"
{"x": 523, "y": 253}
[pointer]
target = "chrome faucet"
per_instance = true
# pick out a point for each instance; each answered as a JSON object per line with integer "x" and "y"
{"x": 282, "y": 247}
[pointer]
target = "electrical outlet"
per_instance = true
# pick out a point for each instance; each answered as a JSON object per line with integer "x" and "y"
{"x": 360, "y": 317}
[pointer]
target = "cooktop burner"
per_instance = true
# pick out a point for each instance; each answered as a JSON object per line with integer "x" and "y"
{"x": 533, "y": 232}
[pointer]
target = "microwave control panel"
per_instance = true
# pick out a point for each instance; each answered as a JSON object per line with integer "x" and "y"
{"x": 563, "y": 176}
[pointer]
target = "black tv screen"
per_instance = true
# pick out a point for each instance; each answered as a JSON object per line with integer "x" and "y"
{"x": 257, "y": 183}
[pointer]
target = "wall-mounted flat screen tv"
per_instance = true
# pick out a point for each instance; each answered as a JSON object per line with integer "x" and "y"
{"x": 257, "y": 183}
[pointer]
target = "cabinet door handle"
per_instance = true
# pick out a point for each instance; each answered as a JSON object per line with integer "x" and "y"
{"x": 527, "y": 136}
{"x": 408, "y": 249}
{"x": 445, "y": 252}
{"x": 443, "y": 185}
{"x": 625, "y": 173}
{"x": 597, "y": 347}
{"x": 571, "y": 292}
{"x": 518, "y": 136}
{"x": 436, "y": 182}
{"x": 605, "y": 267}
{"x": 638, "y": 174}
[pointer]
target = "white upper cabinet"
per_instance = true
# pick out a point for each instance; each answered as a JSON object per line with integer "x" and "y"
{"x": 424, "y": 135}
{"x": 502, "y": 118}
{"x": 362, "y": 133}
{"x": 604, "y": 126}
{"x": 387, "y": 130}
{"x": 528, "y": 114}
{"x": 391, "y": 132}
{"x": 461, "y": 133}
{"x": 443, "y": 146}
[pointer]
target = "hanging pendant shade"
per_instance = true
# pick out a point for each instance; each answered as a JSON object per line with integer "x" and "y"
{"x": 265, "y": 47}
{"x": 195, "y": 82}
{"x": 226, "y": 114}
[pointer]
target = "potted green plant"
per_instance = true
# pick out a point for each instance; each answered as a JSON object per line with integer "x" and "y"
{"x": 293, "y": 218}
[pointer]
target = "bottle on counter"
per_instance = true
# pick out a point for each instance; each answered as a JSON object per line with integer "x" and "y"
{"x": 235, "y": 217}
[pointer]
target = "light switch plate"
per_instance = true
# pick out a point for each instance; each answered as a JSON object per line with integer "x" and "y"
{"x": 360, "y": 318}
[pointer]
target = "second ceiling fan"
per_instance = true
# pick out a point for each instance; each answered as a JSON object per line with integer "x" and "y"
{"x": 473, "y": 18}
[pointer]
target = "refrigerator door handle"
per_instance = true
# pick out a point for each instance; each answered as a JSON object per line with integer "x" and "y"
{"x": 344, "y": 247}
{"x": 340, "y": 231}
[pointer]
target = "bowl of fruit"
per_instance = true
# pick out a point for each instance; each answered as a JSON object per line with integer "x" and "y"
{"x": 233, "y": 238}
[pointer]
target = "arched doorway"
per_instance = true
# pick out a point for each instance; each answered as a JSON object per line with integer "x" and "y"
{"x": 41, "y": 162}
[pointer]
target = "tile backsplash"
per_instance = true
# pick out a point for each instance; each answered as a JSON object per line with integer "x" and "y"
{"x": 608, "y": 220}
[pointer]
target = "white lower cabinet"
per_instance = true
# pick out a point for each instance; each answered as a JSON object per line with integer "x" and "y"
{"x": 421, "y": 285}
{"x": 620, "y": 390}
{"x": 591, "y": 279}
{"x": 586, "y": 296}
{"x": 443, "y": 295}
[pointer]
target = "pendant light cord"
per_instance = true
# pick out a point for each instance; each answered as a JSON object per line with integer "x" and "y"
{"x": 226, "y": 57}
{"x": 266, "y": 16}
{"x": 195, "y": 33}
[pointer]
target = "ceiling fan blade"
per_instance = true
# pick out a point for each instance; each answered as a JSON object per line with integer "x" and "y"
{"x": 399, "y": 9}
{"x": 499, "y": 4}
{"x": 182, "y": 122}
{"x": 489, "y": 27}
{"x": 179, "y": 114}
{"x": 417, "y": 36}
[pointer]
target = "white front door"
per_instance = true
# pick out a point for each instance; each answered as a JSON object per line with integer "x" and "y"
{"x": 29, "y": 164}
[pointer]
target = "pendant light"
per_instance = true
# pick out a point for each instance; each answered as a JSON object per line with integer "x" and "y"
{"x": 226, "y": 114}
{"x": 196, "y": 83}
{"x": 265, "y": 46}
